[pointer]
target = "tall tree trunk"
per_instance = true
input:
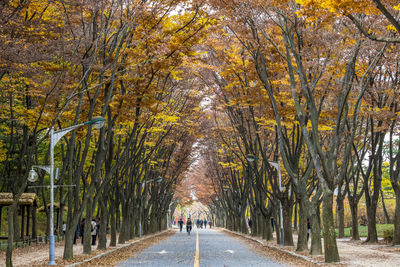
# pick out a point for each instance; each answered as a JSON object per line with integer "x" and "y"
{"x": 340, "y": 212}
{"x": 60, "y": 220}
{"x": 113, "y": 224}
{"x": 34, "y": 223}
{"x": 102, "y": 244}
{"x": 372, "y": 233}
{"x": 87, "y": 239}
{"x": 330, "y": 246}
{"x": 316, "y": 243}
{"x": 69, "y": 240}
{"x": 10, "y": 240}
{"x": 354, "y": 220}
{"x": 17, "y": 234}
{"x": 243, "y": 224}
{"x": 254, "y": 224}
{"x": 118, "y": 215}
{"x": 268, "y": 229}
{"x": 302, "y": 229}
{"x": 287, "y": 222}
{"x": 123, "y": 234}
{"x": 260, "y": 224}
{"x": 396, "y": 231}
{"x": 131, "y": 223}
{"x": 296, "y": 212}
{"x": 371, "y": 204}
{"x": 278, "y": 224}
{"x": 387, "y": 217}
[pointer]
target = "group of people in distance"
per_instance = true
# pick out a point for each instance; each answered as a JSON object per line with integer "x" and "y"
{"x": 94, "y": 230}
{"x": 199, "y": 224}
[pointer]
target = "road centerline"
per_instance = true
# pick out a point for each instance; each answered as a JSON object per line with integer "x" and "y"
{"x": 196, "y": 257}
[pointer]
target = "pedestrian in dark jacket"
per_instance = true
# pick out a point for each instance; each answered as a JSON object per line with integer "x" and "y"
{"x": 189, "y": 226}
{"x": 180, "y": 222}
{"x": 82, "y": 229}
{"x": 93, "y": 229}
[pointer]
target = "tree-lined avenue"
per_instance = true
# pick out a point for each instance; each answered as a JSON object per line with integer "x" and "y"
{"x": 265, "y": 114}
{"x": 215, "y": 249}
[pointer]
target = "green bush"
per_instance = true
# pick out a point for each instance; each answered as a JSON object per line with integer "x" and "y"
{"x": 363, "y": 230}
{"x": 3, "y": 246}
{"x": 388, "y": 235}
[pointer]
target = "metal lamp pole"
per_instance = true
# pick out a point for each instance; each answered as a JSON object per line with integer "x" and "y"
{"x": 55, "y": 136}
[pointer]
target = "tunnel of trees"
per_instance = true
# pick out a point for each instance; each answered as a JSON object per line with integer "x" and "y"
{"x": 276, "y": 103}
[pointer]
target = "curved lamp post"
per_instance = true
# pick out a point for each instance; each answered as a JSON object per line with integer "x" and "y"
{"x": 55, "y": 136}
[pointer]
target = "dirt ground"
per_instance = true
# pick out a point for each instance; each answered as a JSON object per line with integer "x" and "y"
{"x": 38, "y": 255}
{"x": 352, "y": 253}
{"x": 358, "y": 253}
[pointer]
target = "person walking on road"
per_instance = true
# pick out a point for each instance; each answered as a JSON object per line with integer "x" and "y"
{"x": 180, "y": 222}
{"x": 210, "y": 223}
{"x": 272, "y": 224}
{"x": 250, "y": 222}
{"x": 205, "y": 224}
{"x": 94, "y": 231}
{"x": 82, "y": 229}
{"x": 188, "y": 226}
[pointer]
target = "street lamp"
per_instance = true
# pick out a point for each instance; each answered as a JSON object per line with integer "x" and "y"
{"x": 277, "y": 166}
{"x": 55, "y": 136}
{"x": 250, "y": 158}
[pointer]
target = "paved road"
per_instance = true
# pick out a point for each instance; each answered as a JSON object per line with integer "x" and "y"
{"x": 213, "y": 249}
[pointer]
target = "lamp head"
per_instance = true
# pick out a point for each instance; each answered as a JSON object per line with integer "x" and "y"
{"x": 250, "y": 158}
{"x": 32, "y": 176}
{"x": 97, "y": 122}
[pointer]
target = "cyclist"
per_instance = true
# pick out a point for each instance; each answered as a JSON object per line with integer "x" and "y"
{"x": 189, "y": 226}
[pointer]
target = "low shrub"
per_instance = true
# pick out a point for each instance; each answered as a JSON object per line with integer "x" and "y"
{"x": 388, "y": 235}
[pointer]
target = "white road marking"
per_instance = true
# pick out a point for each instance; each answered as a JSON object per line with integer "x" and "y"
{"x": 162, "y": 252}
{"x": 229, "y": 251}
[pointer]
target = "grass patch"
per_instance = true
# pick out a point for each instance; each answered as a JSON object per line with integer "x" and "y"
{"x": 363, "y": 230}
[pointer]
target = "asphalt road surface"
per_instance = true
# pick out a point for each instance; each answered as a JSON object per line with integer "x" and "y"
{"x": 204, "y": 247}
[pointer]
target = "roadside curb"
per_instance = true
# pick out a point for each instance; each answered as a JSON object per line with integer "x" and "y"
{"x": 116, "y": 249}
{"x": 275, "y": 248}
